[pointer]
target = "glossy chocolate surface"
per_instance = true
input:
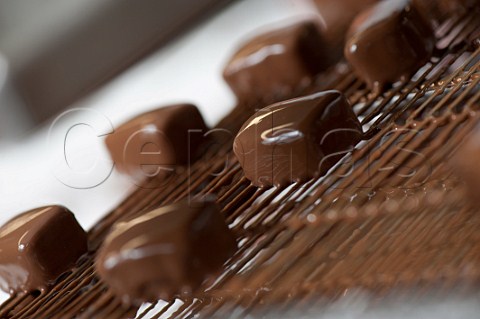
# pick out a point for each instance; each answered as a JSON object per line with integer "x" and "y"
{"x": 296, "y": 140}
{"x": 153, "y": 143}
{"x": 38, "y": 246}
{"x": 388, "y": 42}
{"x": 336, "y": 17}
{"x": 166, "y": 251}
{"x": 277, "y": 62}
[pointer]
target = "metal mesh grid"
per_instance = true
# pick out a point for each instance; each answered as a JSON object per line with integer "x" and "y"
{"x": 369, "y": 223}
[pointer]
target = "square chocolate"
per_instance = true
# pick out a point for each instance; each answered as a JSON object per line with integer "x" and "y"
{"x": 36, "y": 247}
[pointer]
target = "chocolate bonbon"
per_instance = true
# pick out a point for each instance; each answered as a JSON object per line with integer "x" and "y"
{"x": 275, "y": 63}
{"x": 38, "y": 246}
{"x": 165, "y": 251}
{"x": 388, "y": 42}
{"x": 296, "y": 139}
{"x": 153, "y": 143}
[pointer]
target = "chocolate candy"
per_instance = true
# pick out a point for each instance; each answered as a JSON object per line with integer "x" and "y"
{"x": 388, "y": 42}
{"x": 165, "y": 251}
{"x": 152, "y": 144}
{"x": 297, "y": 139}
{"x": 277, "y": 62}
{"x": 336, "y": 17}
{"x": 36, "y": 247}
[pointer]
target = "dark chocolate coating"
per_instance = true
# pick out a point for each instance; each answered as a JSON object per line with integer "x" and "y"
{"x": 388, "y": 43}
{"x": 36, "y": 247}
{"x": 277, "y": 62}
{"x": 152, "y": 143}
{"x": 336, "y": 16}
{"x": 165, "y": 251}
{"x": 296, "y": 140}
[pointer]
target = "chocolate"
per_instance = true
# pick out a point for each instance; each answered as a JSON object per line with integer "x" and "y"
{"x": 166, "y": 251}
{"x": 297, "y": 139}
{"x": 277, "y": 62}
{"x": 36, "y": 247}
{"x": 153, "y": 143}
{"x": 336, "y": 17}
{"x": 388, "y": 43}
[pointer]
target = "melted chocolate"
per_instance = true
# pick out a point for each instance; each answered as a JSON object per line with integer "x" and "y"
{"x": 336, "y": 17}
{"x": 277, "y": 62}
{"x": 297, "y": 139}
{"x": 388, "y": 42}
{"x": 36, "y": 247}
{"x": 152, "y": 144}
{"x": 165, "y": 251}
